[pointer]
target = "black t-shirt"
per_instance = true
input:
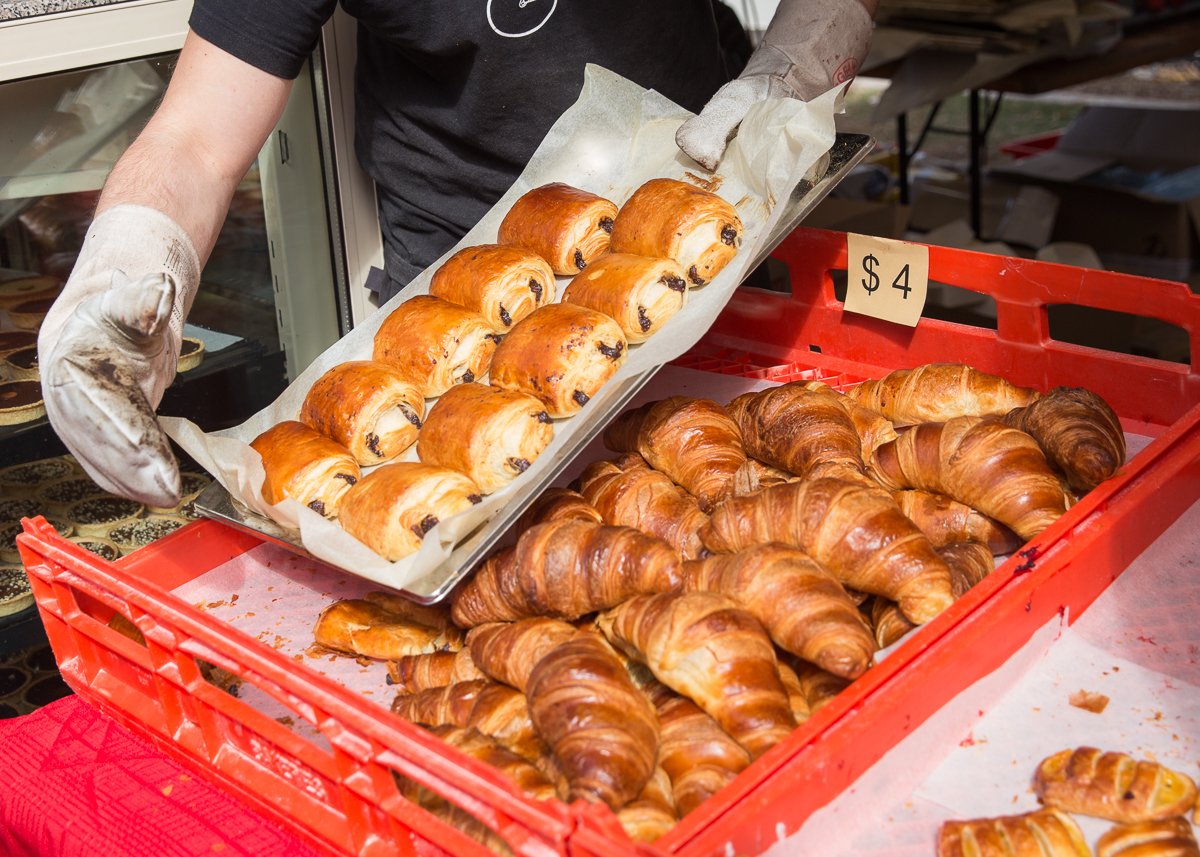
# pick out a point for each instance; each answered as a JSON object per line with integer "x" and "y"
{"x": 454, "y": 96}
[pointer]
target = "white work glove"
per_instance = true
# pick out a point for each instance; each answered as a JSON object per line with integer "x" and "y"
{"x": 809, "y": 47}
{"x": 109, "y": 347}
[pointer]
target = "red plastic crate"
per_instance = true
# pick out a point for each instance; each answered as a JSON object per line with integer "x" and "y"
{"x": 342, "y": 799}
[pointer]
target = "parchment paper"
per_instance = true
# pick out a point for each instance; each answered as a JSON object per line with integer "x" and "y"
{"x": 614, "y": 138}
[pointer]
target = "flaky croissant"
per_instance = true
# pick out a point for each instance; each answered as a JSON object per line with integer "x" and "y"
{"x": 652, "y": 813}
{"x": 1170, "y": 837}
{"x": 754, "y": 475}
{"x": 1112, "y": 785}
{"x": 819, "y": 686}
{"x": 412, "y": 673}
{"x": 1044, "y": 833}
{"x": 484, "y": 748}
{"x": 706, "y": 647}
{"x": 431, "y": 615}
{"x": 797, "y": 698}
{"x": 887, "y": 622}
{"x": 969, "y": 563}
{"x": 508, "y": 651}
{"x": 981, "y": 462}
{"x": 439, "y": 706}
{"x": 360, "y": 627}
{"x": 853, "y": 530}
{"x": 693, "y": 441}
{"x": 601, "y": 728}
{"x": 946, "y": 521}
{"x": 937, "y": 392}
{"x": 554, "y": 504}
{"x": 565, "y": 569}
{"x": 802, "y": 606}
{"x": 1078, "y": 431}
{"x": 629, "y": 493}
{"x": 873, "y": 427}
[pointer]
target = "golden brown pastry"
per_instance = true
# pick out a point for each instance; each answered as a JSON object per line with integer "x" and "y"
{"x": 566, "y": 226}
{"x": 754, "y": 476}
{"x": 1112, "y": 785}
{"x": 981, "y": 462}
{"x": 697, "y": 755}
{"x": 1044, "y": 833}
{"x": 431, "y": 615}
{"x": 818, "y": 686}
{"x": 412, "y": 673}
{"x": 21, "y": 289}
{"x": 554, "y": 504}
{"x": 566, "y": 569}
{"x": 969, "y": 563}
{"x": 854, "y": 531}
{"x": 1078, "y": 431}
{"x": 394, "y": 507}
{"x": 307, "y": 466}
{"x": 436, "y": 344}
{"x": 508, "y": 651}
{"x": 945, "y": 521}
{"x": 652, "y": 813}
{"x": 490, "y": 434}
{"x": 873, "y": 427}
{"x": 627, "y": 492}
{"x": 937, "y": 392}
{"x": 802, "y": 606}
{"x": 1169, "y": 837}
{"x": 797, "y": 699}
{"x": 639, "y": 292}
{"x": 704, "y": 646}
{"x": 562, "y": 354}
{"x": 502, "y": 284}
{"x": 484, "y": 748}
{"x": 601, "y": 728}
{"x": 693, "y": 441}
{"x": 366, "y": 406}
{"x": 695, "y": 227}
{"x": 361, "y": 628}
{"x": 449, "y": 705}
{"x": 888, "y": 622}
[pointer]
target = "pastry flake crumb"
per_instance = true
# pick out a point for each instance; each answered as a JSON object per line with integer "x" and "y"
{"x": 1089, "y": 701}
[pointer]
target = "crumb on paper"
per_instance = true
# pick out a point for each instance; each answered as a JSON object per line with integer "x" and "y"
{"x": 285, "y": 720}
{"x": 167, "y": 789}
{"x": 234, "y": 598}
{"x": 213, "y": 605}
{"x": 1089, "y": 701}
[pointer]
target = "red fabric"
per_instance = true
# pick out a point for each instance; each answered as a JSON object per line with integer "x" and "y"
{"x": 74, "y": 783}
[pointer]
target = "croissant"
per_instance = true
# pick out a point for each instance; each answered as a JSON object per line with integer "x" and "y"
{"x": 698, "y": 756}
{"x": 854, "y": 531}
{"x": 818, "y": 686}
{"x": 568, "y": 227}
{"x": 1112, "y": 785}
{"x": 432, "y": 615}
{"x": 1079, "y": 433}
{"x": 702, "y": 645}
{"x": 484, "y": 748}
{"x": 805, "y": 432}
{"x": 754, "y": 476}
{"x": 652, "y": 813}
{"x": 1044, "y": 833}
{"x": 872, "y": 427}
{"x": 945, "y": 521}
{"x": 639, "y": 292}
{"x": 436, "y": 344}
{"x": 693, "y": 441}
{"x": 412, "y": 673}
{"x": 937, "y": 392}
{"x": 561, "y": 354}
{"x": 362, "y": 628}
{"x": 601, "y": 728}
{"x": 566, "y": 569}
{"x": 1169, "y": 837}
{"x": 440, "y": 706}
{"x": 980, "y": 462}
{"x": 305, "y": 465}
{"x": 554, "y": 504}
{"x": 491, "y": 435}
{"x": 969, "y": 563}
{"x": 888, "y": 622}
{"x": 508, "y": 651}
{"x": 502, "y": 284}
{"x": 804, "y": 609}
{"x": 695, "y": 227}
{"x": 393, "y": 508}
{"x": 629, "y": 493}
{"x": 797, "y": 699}
{"x": 366, "y": 406}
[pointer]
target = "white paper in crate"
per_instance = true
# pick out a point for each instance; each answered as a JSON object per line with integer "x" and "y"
{"x": 613, "y": 139}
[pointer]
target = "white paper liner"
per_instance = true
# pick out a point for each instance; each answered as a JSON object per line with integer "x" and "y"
{"x": 613, "y": 139}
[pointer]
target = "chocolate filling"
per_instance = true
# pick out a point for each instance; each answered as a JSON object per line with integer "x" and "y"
{"x": 475, "y": 499}
{"x": 505, "y": 317}
{"x": 643, "y": 322}
{"x": 317, "y": 506}
{"x": 694, "y": 276}
{"x": 16, "y": 394}
{"x": 373, "y": 443}
{"x": 728, "y": 235}
{"x": 580, "y": 397}
{"x": 519, "y": 464}
{"x": 579, "y": 262}
{"x": 543, "y": 417}
{"x": 495, "y": 337}
{"x": 606, "y": 223}
{"x": 468, "y": 377}
{"x": 347, "y": 477}
{"x": 427, "y": 524}
{"x": 187, "y": 347}
{"x": 675, "y": 284}
{"x": 536, "y": 288}
{"x": 612, "y": 352}
{"x": 410, "y": 416}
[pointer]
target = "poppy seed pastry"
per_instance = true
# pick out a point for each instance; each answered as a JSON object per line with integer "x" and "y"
{"x": 15, "y": 508}
{"x": 15, "y": 592}
{"x": 31, "y": 474}
{"x": 9, "y": 533}
{"x": 95, "y": 516}
{"x": 63, "y": 493}
{"x": 101, "y": 547}
{"x": 138, "y": 533}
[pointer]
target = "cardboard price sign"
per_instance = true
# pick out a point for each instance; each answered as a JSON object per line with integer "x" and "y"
{"x": 886, "y": 279}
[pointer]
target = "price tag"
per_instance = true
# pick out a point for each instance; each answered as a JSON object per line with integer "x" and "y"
{"x": 886, "y": 279}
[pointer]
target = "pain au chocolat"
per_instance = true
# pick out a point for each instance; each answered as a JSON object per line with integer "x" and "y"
{"x": 305, "y": 465}
{"x": 566, "y": 226}
{"x": 639, "y": 292}
{"x": 503, "y": 284}
{"x": 436, "y": 344}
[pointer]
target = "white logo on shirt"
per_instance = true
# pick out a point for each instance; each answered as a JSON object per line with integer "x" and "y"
{"x": 521, "y": 4}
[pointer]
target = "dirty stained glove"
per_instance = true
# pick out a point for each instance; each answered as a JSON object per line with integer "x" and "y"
{"x": 809, "y": 47}
{"x": 109, "y": 346}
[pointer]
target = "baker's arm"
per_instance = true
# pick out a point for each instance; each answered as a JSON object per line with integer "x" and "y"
{"x": 109, "y": 345}
{"x": 809, "y": 47}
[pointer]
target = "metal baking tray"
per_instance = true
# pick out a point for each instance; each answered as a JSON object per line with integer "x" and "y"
{"x": 215, "y": 502}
